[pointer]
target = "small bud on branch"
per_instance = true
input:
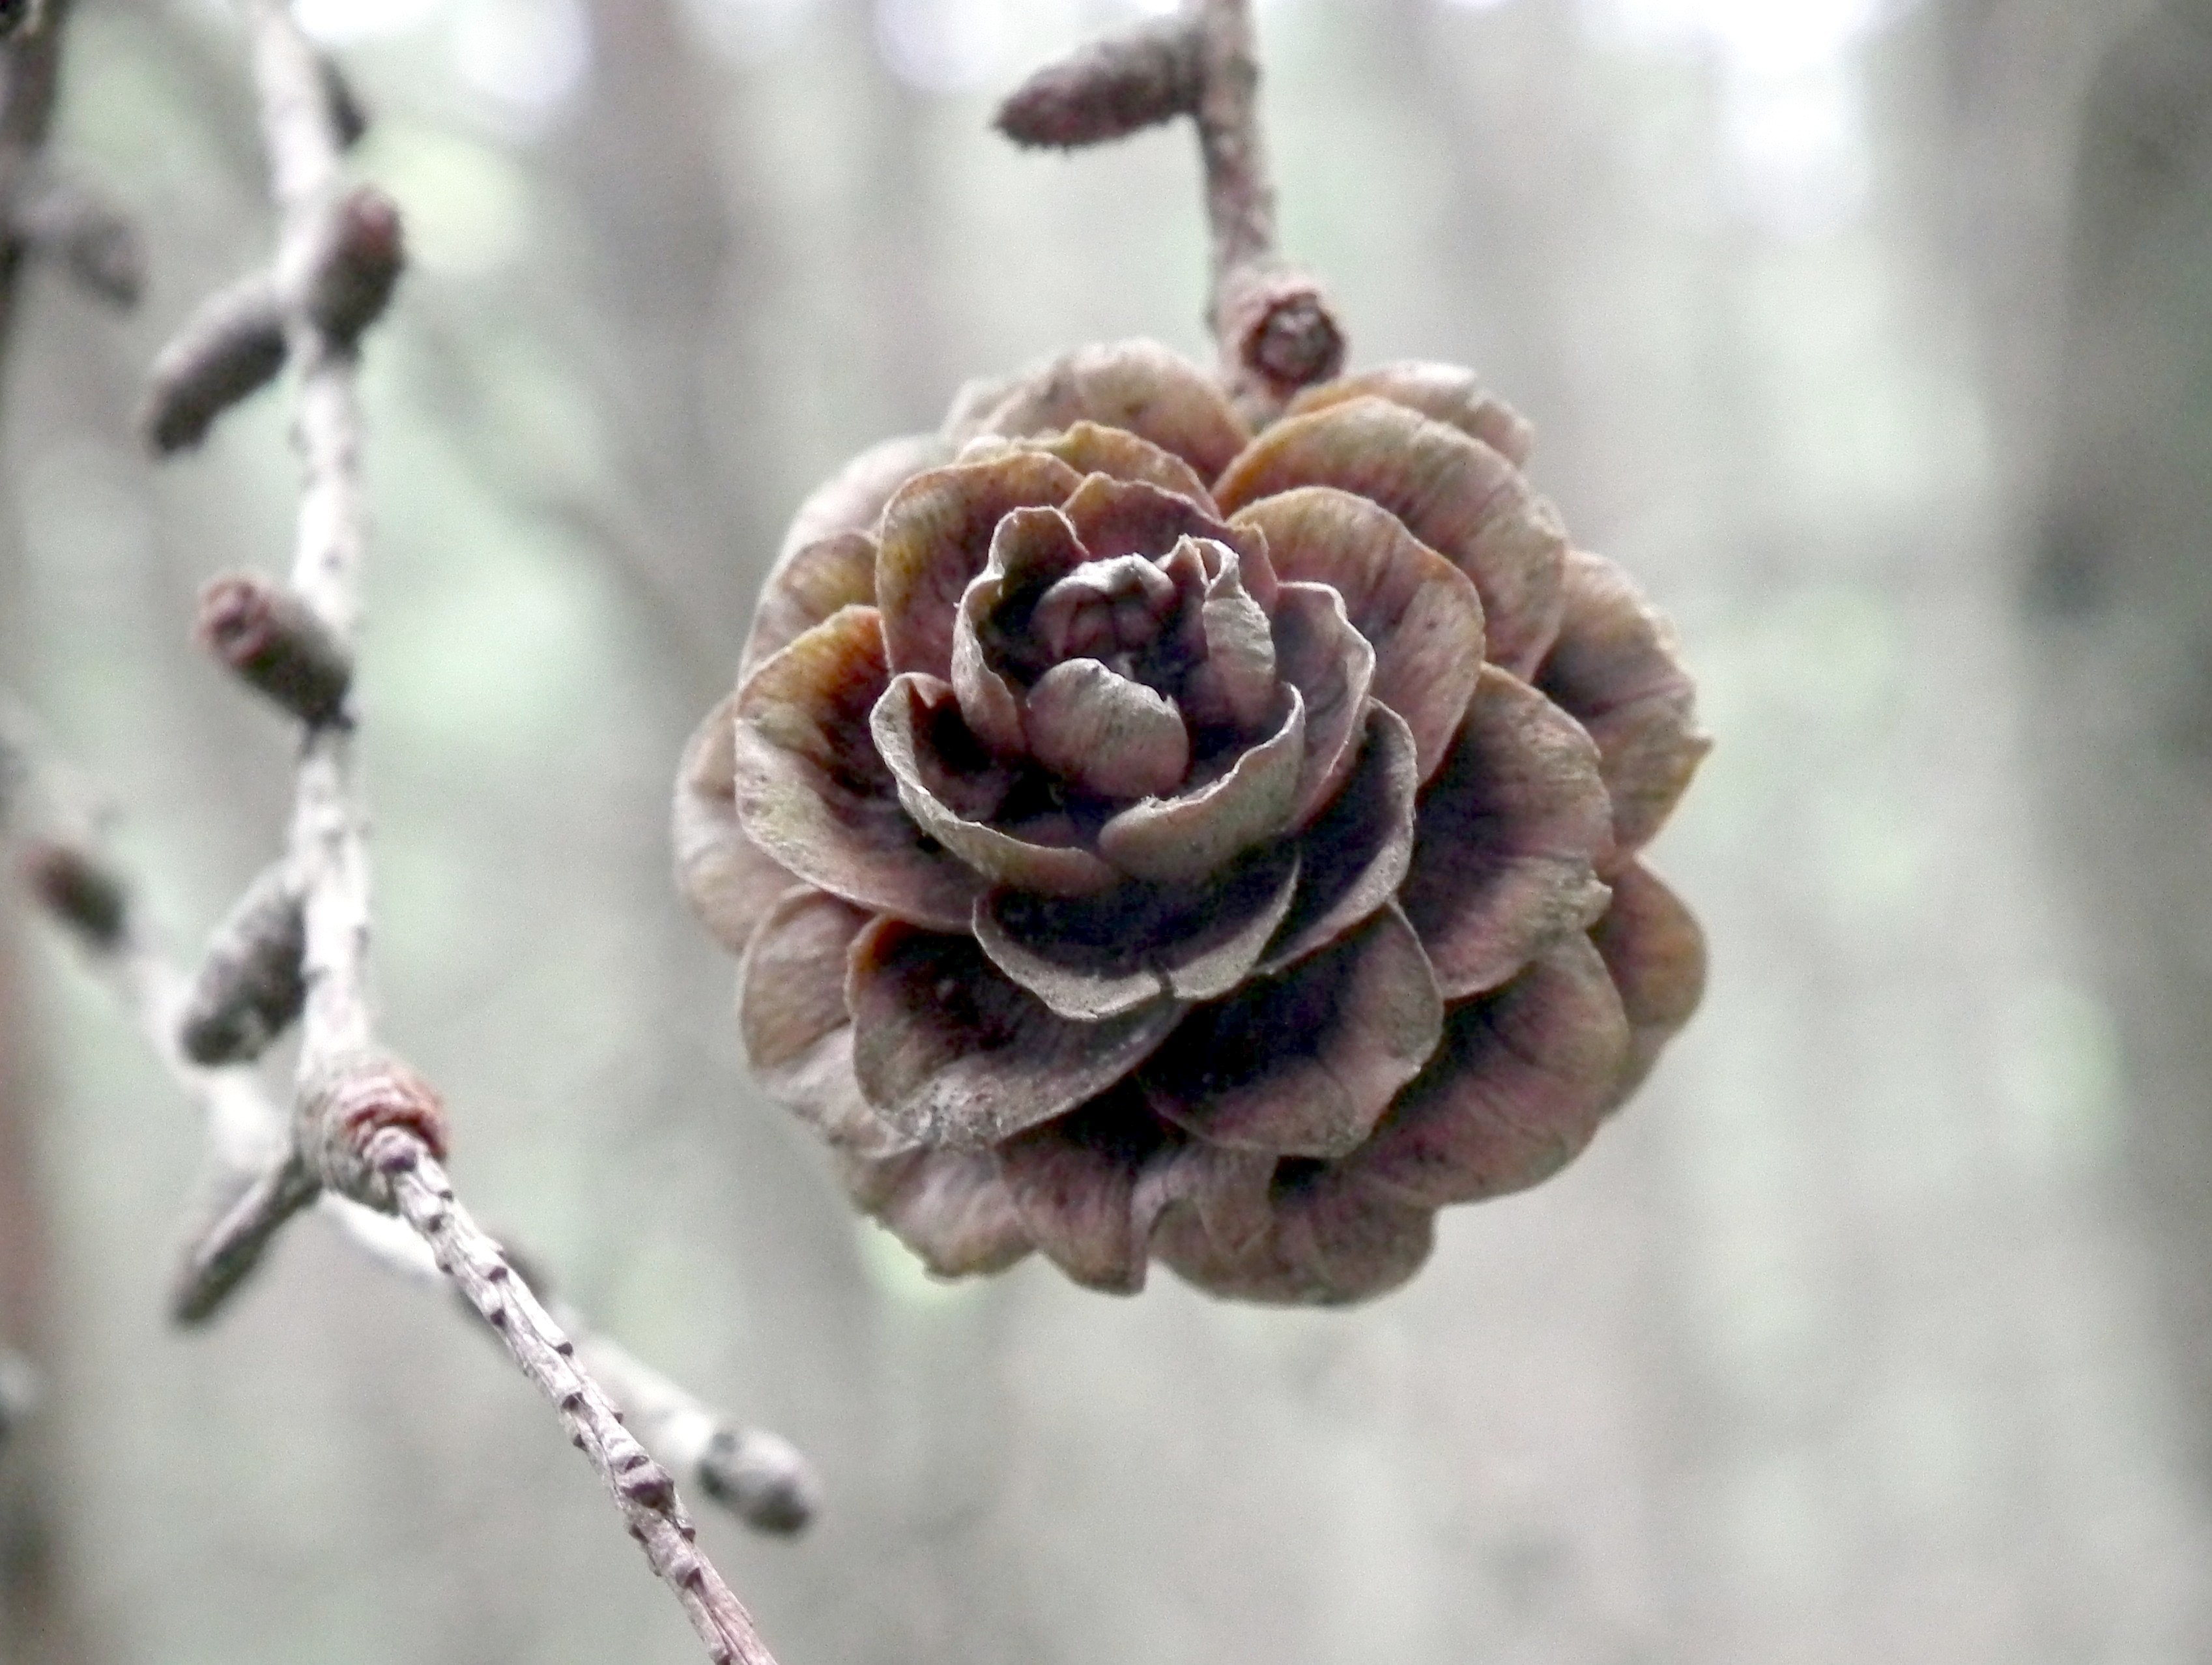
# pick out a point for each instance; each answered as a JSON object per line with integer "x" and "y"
{"x": 78, "y": 890}
{"x": 1109, "y": 89}
{"x": 249, "y": 989}
{"x": 273, "y": 640}
{"x": 358, "y": 255}
{"x": 349, "y": 116}
{"x": 231, "y": 347}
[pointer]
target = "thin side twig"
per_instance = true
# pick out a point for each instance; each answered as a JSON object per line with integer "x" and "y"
{"x": 1274, "y": 325}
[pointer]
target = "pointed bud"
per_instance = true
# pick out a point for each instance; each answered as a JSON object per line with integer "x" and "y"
{"x": 1109, "y": 89}
{"x": 230, "y": 348}
{"x": 277, "y": 646}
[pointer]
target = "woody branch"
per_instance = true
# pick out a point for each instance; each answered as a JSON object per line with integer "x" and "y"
{"x": 73, "y": 879}
{"x": 364, "y": 1127}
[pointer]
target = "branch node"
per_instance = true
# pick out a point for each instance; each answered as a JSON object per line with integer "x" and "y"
{"x": 231, "y": 347}
{"x": 1107, "y": 89}
{"x": 274, "y": 641}
{"x": 363, "y": 1120}
{"x": 250, "y": 988}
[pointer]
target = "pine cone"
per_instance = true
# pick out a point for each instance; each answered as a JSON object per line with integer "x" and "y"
{"x": 1127, "y": 866}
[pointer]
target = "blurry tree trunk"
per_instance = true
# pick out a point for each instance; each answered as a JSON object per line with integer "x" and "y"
{"x": 2119, "y": 589}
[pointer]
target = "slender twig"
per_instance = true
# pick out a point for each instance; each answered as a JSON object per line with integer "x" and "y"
{"x": 641, "y": 1487}
{"x": 1274, "y": 325}
{"x": 757, "y": 1475}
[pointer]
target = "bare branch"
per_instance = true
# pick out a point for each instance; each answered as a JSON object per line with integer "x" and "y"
{"x": 641, "y": 1487}
{"x": 757, "y": 1476}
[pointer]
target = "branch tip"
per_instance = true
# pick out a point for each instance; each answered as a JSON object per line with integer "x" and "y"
{"x": 1281, "y": 332}
{"x": 1107, "y": 89}
{"x": 96, "y": 243}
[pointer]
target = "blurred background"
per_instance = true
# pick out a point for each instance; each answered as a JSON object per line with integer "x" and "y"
{"x": 1874, "y": 338}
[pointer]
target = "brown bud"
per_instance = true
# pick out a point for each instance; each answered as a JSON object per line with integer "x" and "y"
{"x": 249, "y": 989}
{"x": 78, "y": 890}
{"x": 347, "y": 1104}
{"x": 762, "y": 1479}
{"x": 349, "y": 116}
{"x": 277, "y": 646}
{"x": 229, "y": 348}
{"x": 358, "y": 259}
{"x": 1109, "y": 89}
